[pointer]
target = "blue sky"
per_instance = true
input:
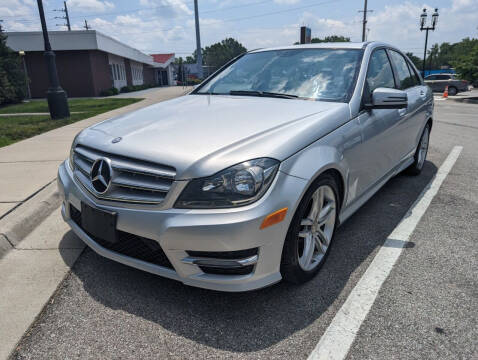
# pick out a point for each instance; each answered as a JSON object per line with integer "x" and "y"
{"x": 168, "y": 25}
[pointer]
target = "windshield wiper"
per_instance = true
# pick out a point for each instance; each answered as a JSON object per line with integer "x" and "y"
{"x": 262, "y": 94}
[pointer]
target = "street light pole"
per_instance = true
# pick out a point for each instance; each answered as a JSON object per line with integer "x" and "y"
{"x": 198, "y": 41}
{"x": 56, "y": 96}
{"x": 423, "y": 20}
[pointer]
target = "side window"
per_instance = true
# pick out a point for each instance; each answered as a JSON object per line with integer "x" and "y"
{"x": 415, "y": 78}
{"x": 431, "y": 77}
{"x": 379, "y": 73}
{"x": 405, "y": 79}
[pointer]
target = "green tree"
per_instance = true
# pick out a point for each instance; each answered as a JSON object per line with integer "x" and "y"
{"x": 12, "y": 77}
{"x": 466, "y": 65}
{"x": 415, "y": 60}
{"x": 220, "y": 53}
{"x": 330, "y": 38}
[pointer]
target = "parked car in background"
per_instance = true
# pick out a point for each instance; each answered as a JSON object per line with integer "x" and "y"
{"x": 244, "y": 181}
{"x": 438, "y": 82}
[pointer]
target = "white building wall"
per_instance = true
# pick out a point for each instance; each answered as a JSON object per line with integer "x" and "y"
{"x": 136, "y": 73}
{"x": 117, "y": 70}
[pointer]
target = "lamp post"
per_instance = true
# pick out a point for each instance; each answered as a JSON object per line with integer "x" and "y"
{"x": 423, "y": 20}
{"x": 56, "y": 96}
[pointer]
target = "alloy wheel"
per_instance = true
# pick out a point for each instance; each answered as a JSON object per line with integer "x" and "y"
{"x": 423, "y": 147}
{"x": 317, "y": 228}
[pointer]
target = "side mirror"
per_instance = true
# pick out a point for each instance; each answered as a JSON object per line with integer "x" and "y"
{"x": 385, "y": 98}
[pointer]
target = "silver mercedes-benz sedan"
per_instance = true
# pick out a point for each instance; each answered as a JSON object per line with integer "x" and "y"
{"x": 243, "y": 182}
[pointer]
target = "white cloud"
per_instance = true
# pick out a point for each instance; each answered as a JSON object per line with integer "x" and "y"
{"x": 90, "y": 5}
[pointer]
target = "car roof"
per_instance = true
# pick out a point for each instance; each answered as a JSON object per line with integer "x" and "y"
{"x": 327, "y": 45}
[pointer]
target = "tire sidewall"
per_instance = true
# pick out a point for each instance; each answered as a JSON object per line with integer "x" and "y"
{"x": 290, "y": 268}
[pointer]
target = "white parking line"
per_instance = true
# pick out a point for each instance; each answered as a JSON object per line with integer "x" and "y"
{"x": 339, "y": 336}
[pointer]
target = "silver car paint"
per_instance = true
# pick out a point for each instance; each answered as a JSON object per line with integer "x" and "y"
{"x": 202, "y": 134}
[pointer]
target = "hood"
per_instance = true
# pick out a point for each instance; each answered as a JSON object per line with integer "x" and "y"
{"x": 202, "y": 134}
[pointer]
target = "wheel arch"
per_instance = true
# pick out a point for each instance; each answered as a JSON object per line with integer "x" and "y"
{"x": 313, "y": 164}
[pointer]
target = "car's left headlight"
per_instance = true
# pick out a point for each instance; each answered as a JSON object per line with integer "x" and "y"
{"x": 239, "y": 185}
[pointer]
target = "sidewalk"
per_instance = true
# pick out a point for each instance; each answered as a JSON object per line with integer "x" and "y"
{"x": 29, "y": 165}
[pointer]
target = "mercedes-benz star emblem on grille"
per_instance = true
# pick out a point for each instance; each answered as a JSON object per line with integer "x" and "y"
{"x": 100, "y": 175}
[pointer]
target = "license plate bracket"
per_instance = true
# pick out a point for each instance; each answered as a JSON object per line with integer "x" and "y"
{"x": 99, "y": 223}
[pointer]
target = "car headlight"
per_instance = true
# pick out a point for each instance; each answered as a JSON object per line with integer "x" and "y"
{"x": 238, "y": 185}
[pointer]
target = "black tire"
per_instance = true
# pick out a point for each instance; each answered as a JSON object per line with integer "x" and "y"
{"x": 290, "y": 269}
{"x": 452, "y": 91}
{"x": 417, "y": 166}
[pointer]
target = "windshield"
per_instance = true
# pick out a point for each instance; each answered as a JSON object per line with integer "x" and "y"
{"x": 318, "y": 74}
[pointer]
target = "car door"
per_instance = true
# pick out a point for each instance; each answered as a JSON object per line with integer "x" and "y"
{"x": 442, "y": 82}
{"x": 430, "y": 80}
{"x": 413, "y": 117}
{"x": 380, "y": 141}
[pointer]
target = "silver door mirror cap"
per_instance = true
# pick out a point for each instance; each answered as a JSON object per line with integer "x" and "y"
{"x": 386, "y": 98}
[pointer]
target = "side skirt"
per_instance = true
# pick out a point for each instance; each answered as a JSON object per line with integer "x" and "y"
{"x": 354, "y": 206}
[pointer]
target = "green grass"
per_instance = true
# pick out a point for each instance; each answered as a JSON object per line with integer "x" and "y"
{"x": 16, "y": 128}
{"x": 89, "y": 105}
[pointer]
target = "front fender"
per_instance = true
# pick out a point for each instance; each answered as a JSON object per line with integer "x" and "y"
{"x": 336, "y": 151}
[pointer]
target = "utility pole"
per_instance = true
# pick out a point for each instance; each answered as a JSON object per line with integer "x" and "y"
{"x": 56, "y": 96}
{"x": 198, "y": 41}
{"x": 364, "y": 21}
{"x": 65, "y": 17}
{"x": 86, "y": 25}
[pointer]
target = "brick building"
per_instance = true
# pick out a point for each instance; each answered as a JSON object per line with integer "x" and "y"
{"x": 88, "y": 62}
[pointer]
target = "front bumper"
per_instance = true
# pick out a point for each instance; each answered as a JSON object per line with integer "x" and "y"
{"x": 180, "y": 230}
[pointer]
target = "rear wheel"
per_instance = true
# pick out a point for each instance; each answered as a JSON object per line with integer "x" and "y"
{"x": 311, "y": 231}
{"x": 420, "y": 153}
{"x": 452, "y": 91}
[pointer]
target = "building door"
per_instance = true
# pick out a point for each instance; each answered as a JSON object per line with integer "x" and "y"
{"x": 164, "y": 78}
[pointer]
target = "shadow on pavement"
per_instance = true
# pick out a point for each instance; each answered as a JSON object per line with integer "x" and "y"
{"x": 246, "y": 322}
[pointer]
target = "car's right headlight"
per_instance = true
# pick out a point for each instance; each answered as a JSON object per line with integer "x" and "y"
{"x": 239, "y": 185}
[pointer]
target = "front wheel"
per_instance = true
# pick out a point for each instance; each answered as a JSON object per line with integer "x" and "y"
{"x": 420, "y": 153}
{"x": 311, "y": 231}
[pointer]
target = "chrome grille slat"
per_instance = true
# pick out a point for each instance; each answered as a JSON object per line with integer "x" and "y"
{"x": 82, "y": 165}
{"x": 130, "y": 165}
{"x": 132, "y": 181}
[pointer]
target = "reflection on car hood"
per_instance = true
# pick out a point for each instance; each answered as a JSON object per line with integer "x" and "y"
{"x": 202, "y": 134}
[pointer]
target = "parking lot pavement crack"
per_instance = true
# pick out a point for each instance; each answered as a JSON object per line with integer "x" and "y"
{"x": 7, "y": 239}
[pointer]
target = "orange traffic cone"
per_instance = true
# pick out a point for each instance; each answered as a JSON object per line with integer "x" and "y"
{"x": 445, "y": 93}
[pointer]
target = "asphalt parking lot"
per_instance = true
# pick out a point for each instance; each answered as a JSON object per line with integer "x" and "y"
{"x": 426, "y": 309}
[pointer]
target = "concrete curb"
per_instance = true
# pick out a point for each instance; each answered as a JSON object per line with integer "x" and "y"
{"x": 17, "y": 224}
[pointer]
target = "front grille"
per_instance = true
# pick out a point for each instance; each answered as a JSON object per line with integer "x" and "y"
{"x": 132, "y": 180}
{"x": 130, "y": 245}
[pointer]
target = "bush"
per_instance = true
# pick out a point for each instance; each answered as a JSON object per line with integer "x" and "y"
{"x": 12, "y": 77}
{"x": 130, "y": 88}
{"x": 110, "y": 92}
